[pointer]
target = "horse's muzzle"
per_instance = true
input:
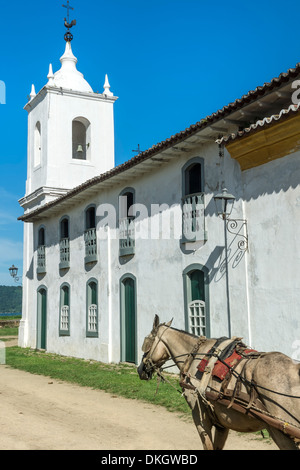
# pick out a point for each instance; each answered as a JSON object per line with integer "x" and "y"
{"x": 144, "y": 372}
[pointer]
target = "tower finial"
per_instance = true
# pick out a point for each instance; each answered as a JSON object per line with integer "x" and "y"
{"x": 107, "y": 87}
{"x": 69, "y": 36}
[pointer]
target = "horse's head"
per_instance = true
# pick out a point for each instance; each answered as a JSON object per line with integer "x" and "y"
{"x": 155, "y": 350}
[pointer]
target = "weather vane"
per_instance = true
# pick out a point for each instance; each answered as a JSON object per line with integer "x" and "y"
{"x": 69, "y": 36}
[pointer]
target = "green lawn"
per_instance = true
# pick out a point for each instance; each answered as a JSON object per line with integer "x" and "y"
{"x": 118, "y": 379}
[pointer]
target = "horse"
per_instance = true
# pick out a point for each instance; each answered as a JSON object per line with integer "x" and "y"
{"x": 259, "y": 391}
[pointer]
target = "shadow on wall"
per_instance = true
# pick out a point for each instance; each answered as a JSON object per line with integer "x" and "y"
{"x": 237, "y": 246}
{"x": 273, "y": 177}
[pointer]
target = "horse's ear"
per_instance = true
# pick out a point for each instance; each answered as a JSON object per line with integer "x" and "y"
{"x": 170, "y": 322}
{"x": 156, "y": 321}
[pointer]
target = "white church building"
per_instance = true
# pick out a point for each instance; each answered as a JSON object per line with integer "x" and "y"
{"x": 107, "y": 247}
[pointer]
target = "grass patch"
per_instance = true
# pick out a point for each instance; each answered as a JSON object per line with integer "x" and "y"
{"x": 9, "y": 317}
{"x": 117, "y": 379}
{"x": 13, "y": 331}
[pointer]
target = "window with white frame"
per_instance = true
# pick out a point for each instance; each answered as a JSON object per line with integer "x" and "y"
{"x": 92, "y": 309}
{"x": 196, "y": 300}
{"x": 64, "y": 317}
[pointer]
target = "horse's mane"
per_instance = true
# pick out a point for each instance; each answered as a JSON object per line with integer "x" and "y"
{"x": 185, "y": 332}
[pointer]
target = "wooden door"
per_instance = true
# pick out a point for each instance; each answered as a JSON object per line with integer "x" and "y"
{"x": 129, "y": 320}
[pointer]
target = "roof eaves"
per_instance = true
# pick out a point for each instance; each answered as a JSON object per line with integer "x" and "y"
{"x": 260, "y": 124}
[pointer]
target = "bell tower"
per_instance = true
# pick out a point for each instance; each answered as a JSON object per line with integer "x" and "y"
{"x": 70, "y": 131}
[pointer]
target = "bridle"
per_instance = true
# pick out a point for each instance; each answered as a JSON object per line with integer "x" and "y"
{"x": 150, "y": 366}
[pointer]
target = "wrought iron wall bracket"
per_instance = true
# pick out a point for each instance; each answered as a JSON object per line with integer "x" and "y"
{"x": 238, "y": 228}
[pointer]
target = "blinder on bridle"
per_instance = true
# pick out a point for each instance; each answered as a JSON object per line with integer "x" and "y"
{"x": 148, "y": 342}
{"x": 147, "y": 367}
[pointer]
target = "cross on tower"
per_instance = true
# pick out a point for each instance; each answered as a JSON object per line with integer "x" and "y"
{"x": 68, "y": 7}
{"x": 138, "y": 150}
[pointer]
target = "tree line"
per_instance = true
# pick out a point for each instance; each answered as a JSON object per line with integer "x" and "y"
{"x": 10, "y": 299}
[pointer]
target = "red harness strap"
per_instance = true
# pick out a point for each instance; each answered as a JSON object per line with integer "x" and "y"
{"x": 221, "y": 368}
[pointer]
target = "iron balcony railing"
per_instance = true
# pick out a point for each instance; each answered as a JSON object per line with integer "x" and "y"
{"x": 127, "y": 236}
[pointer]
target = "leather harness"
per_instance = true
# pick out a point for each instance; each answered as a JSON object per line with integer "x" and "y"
{"x": 219, "y": 364}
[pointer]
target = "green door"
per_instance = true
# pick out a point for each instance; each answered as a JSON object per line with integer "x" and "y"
{"x": 129, "y": 320}
{"x": 42, "y": 319}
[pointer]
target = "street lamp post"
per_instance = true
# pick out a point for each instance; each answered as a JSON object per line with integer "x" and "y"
{"x": 224, "y": 204}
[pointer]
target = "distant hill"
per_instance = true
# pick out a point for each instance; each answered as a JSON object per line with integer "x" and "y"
{"x": 10, "y": 299}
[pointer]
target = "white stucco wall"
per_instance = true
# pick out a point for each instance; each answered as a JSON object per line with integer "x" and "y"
{"x": 272, "y": 206}
{"x": 263, "y": 281}
{"x": 158, "y": 265}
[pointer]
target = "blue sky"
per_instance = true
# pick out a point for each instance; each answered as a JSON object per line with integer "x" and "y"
{"x": 171, "y": 63}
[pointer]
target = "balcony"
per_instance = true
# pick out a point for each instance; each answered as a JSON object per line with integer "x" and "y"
{"x": 127, "y": 236}
{"x": 193, "y": 218}
{"x": 41, "y": 259}
{"x": 64, "y": 247}
{"x": 90, "y": 239}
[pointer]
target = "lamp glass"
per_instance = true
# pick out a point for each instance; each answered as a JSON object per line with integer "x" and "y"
{"x": 224, "y": 203}
{"x": 13, "y": 271}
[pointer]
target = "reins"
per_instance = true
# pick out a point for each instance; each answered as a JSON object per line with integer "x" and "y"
{"x": 236, "y": 374}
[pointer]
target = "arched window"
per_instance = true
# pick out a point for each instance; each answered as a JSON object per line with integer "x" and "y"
{"x": 90, "y": 218}
{"x": 80, "y": 138}
{"x": 193, "y": 204}
{"x": 196, "y": 300}
{"x": 90, "y": 235}
{"x": 41, "y": 237}
{"x": 126, "y": 222}
{"x": 64, "y": 244}
{"x": 193, "y": 179}
{"x": 41, "y": 251}
{"x": 64, "y": 314}
{"x": 92, "y": 308}
{"x": 37, "y": 144}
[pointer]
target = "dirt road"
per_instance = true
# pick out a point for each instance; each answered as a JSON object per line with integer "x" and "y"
{"x": 39, "y": 413}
